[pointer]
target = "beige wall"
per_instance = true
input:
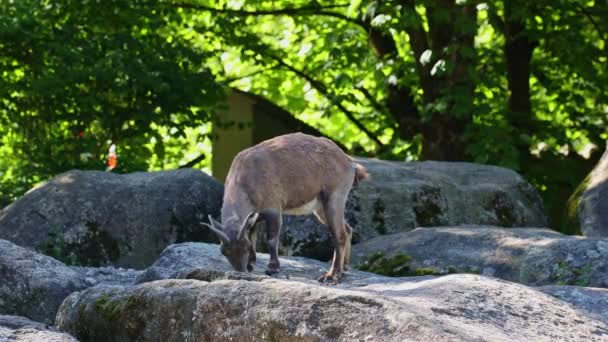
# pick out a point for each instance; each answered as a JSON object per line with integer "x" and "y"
{"x": 259, "y": 120}
{"x": 233, "y": 134}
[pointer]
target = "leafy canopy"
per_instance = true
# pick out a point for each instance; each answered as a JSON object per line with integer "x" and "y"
{"x": 80, "y": 75}
{"x": 515, "y": 83}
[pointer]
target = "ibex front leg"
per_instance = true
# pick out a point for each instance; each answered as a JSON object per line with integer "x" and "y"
{"x": 273, "y": 230}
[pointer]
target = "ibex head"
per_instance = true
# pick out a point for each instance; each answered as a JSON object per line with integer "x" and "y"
{"x": 235, "y": 244}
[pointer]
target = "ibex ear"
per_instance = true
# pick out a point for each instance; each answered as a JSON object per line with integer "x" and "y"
{"x": 216, "y": 228}
{"x": 249, "y": 222}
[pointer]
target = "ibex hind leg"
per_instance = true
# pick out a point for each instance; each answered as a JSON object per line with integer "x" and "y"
{"x": 349, "y": 238}
{"x": 320, "y": 215}
{"x": 334, "y": 213}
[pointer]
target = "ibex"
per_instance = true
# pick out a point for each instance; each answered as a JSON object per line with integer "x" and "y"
{"x": 294, "y": 174}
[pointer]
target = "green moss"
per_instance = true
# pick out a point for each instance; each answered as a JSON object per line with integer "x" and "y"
{"x": 55, "y": 246}
{"x": 107, "y": 307}
{"x": 378, "y": 217}
{"x": 570, "y": 224}
{"x": 428, "y": 207}
{"x": 112, "y": 309}
{"x": 425, "y": 271}
{"x": 395, "y": 266}
{"x": 503, "y": 210}
{"x": 570, "y": 275}
{"x": 94, "y": 248}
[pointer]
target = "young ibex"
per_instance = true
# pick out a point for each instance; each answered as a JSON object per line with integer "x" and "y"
{"x": 294, "y": 174}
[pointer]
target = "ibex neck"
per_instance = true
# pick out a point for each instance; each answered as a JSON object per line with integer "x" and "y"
{"x": 235, "y": 208}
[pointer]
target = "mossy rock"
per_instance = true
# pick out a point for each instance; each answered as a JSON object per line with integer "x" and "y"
{"x": 96, "y": 247}
{"x": 394, "y": 266}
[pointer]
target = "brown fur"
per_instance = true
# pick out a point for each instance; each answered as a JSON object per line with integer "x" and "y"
{"x": 285, "y": 173}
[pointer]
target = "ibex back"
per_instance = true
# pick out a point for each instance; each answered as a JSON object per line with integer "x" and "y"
{"x": 294, "y": 174}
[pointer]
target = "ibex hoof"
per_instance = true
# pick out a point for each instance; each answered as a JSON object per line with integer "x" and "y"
{"x": 249, "y": 268}
{"x": 271, "y": 272}
{"x": 328, "y": 278}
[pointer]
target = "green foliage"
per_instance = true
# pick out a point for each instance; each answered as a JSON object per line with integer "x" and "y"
{"x": 78, "y": 76}
{"x": 316, "y": 61}
{"x": 569, "y": 275}
{"x": 395, "y": 266}
{"x": 437, "y": 80}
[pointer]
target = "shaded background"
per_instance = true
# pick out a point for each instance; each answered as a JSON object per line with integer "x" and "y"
{"x": 513, "y": 83}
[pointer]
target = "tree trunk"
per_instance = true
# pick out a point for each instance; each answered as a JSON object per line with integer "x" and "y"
{"x": 444, "y": 132}
{"x": 518, "y": 53}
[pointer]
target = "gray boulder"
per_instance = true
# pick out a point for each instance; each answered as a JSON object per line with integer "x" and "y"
{"x": 203, "y": 261}
{"x": 21, "y": 329}
{"x": 34, "y": 285}
{"x": 99, "y": 218}
{"x": 452, "y": 308}
{"x": 107, "y": 275}
{"x": 588, "y": 207}
{"x": 524, "y": 255}
{"x": 592, "y": 301}
{"x": 400, "y": 196}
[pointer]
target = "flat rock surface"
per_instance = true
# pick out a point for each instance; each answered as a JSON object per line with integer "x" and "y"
{"x": 107, "y": 275}
{"x": 459, "y": 307}
{"x": 524, "y": 255}
{"x": 593, "y": 301}
{"x": 21, "y": 329}
{"x": 203, "y": 261}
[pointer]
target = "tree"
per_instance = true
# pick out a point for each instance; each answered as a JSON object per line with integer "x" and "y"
{"x": 513, "y": 83}
{"x": 79, "y": 76}
{"x": 435, "y": 79}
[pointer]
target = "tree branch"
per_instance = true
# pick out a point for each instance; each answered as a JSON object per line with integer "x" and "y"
{"x": 193, "y": 162}
{"x": 372, "y": 100}
{"x": 593, "y": 22}
{"x": 237, "y": 78}
{"x": 323, "y": 90}
{"x": 293, "y": 11}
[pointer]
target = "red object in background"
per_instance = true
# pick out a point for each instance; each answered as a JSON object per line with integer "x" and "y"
{"x": 112, "y": 160}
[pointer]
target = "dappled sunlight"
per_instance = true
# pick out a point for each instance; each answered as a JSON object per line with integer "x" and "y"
{"x": 476, "y": 121}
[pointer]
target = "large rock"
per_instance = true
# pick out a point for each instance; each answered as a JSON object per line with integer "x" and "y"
{"x": 524, "y": 255}
{"x": 209, "y": 302}
{"x": 203, "y": 261}
{"x": 107, "y": 275}
{"x": 588, "y": 206}
{"x": 451, "y": 308}
{"x": 400, "y": 196}
{"x": 98, "y": 218}
{"x": 21, "y": 329}
{"x": 34, "y": 285}
{"x": 592, "y": 301}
